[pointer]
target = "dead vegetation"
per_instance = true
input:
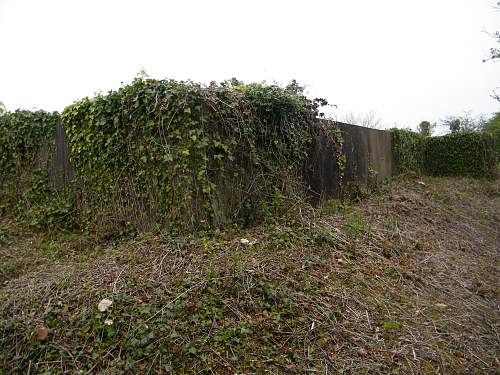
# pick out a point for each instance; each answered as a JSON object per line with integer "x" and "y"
{"x": 406, "y": 280}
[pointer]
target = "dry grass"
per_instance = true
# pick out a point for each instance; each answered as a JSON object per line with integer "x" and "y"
{"x": 405, "y": 281}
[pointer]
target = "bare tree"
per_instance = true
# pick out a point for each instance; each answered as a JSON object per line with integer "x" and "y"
{"x": 494, "y": 52}
{"x": 465, "y": 123}
{"x": 368, "y": 120}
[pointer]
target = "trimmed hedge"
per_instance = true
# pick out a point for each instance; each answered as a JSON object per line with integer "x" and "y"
{"x": 464, "y": 154}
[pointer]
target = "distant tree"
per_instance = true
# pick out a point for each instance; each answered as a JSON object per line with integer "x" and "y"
{"x": 465, "y": 123}
{"x": 426, "y": 128}
{"x": 494, "y": 52}
{"x": 454, "y": 125}
{"x": 2, "y": 108}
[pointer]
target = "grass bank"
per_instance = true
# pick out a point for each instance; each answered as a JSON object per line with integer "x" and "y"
{"x": 406, "y": 280}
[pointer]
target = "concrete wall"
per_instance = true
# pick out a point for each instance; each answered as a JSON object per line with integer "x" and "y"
{"x": 369, "y": 159}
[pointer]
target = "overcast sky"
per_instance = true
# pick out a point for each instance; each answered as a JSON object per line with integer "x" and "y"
{"x": 405, "y": 60}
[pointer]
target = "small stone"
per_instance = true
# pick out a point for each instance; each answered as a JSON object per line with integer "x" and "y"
{"x": 108, "y": 322}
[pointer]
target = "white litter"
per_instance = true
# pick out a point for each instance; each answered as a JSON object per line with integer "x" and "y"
{"x": 104, "y": 304}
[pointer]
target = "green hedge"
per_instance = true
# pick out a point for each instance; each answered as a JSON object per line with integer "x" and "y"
{"x": 463, "y": 154}
{"x": 467, "y": 154}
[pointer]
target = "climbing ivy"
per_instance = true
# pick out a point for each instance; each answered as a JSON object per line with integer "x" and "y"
{"x": 408, "y": 150}
{"x": 26, "y": 152}
{"x": 184, "y": 155}
{"x": 337, "y": 140}
{"x": 25, "y": 139}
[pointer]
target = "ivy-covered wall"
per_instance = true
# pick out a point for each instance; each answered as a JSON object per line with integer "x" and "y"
{"x": 26, "y": 140}
{"x": 27, "y": 146}
{"x": 176, "y": 155}
{"x": 408, "y": 150}
{"x": 182, "y": 155}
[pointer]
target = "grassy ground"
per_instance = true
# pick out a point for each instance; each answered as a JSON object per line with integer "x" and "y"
{"x": 405, "y": 281}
